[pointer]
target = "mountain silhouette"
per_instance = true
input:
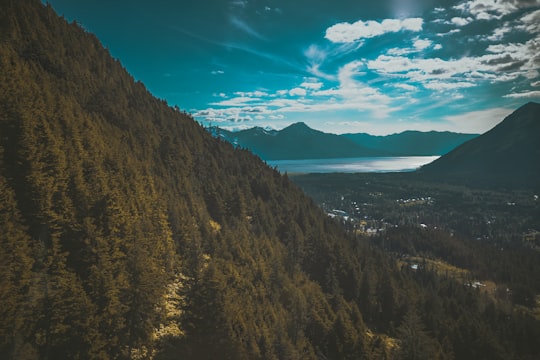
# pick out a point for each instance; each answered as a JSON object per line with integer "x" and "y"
{"x": 510, "y": 152}
{"x": 413, "y": 143}
{"x": 299, "y": 141}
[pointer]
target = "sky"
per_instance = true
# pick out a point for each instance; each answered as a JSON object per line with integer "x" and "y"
{"x": 341, "y": 66}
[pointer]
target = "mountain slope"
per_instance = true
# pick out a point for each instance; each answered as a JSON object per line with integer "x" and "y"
{"x": 413, "y": 143}
{"x": 297, "y": 141}
{"x": 508, "y": 152}
{"x": 129, "y": 232}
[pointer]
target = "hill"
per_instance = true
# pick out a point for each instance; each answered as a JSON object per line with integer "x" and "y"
{"x": 413, "y": 143}
{"x": 299, "y": 141}
{"x": 129, "y": 232}
{"x": 508, "y": 153}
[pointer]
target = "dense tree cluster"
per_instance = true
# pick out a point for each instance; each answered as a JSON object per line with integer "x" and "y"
{"x": 129, "y": 232}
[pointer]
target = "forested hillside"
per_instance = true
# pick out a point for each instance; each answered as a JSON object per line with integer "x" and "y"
{"x": 128, "y": 232}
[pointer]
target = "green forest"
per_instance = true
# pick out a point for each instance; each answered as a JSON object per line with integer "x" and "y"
{"x": 129, "y": 232}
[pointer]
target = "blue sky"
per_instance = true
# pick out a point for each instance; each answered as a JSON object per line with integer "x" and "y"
{"x": 340, "y": 66}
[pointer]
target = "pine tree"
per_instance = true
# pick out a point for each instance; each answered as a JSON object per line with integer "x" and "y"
{"x": 415, "y": 343}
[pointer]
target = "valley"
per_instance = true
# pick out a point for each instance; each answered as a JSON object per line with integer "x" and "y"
{"x": 491, "y": 235}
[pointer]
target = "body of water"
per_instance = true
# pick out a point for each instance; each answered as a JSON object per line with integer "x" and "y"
{"x": 352, "y": 165}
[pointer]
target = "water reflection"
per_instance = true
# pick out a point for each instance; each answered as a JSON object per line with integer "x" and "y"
{"x": 353, "y": 165}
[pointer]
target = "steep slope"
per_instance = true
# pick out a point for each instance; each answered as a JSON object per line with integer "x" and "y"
{"x": 298, "y": 141}
{"x": 510, "y": 152}
{"x": 128, "y": 231}
{"x": 413, "y": 143}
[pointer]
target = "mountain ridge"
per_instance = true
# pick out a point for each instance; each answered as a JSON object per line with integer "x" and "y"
{"x": 299, "y": 141}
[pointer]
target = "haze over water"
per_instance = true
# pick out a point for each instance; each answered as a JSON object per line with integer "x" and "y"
{"x": 353, "y": 165}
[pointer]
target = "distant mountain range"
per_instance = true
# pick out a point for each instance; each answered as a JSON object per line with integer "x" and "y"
{"x": 299, "y": 141}
{"x": 509, "y": 153}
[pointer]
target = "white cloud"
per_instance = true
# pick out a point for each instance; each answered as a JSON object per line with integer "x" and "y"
{"x": 347, "y": 32}
{"x": 487, "y": 9}
{"x": 235, "y": 127}
{"x": 453, "y": 31}
{"x": 298, "y": 92}
{"x": 399, "y": 51}
{"x": 443, "y": 86}
{"x": 493, "y": 9}
{"x": 522, "y": 56}
{"x": 251, "y": 94}
{"x": 218, "y": 72}
{"x": 312, "y": 84}
{"x": 404, "y": 86}
{"x": 459, "y": 21}
{"x": 531, "y": 22}
{"x": 526, "y": 95}
{"x": 422, "y": 44}
{"x": 501, "y": 63}
{"x": 500, "y": 32}
{"x": 237, "y": 101}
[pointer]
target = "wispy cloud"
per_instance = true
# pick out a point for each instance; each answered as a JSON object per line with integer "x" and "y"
{"x": 524, "y": 95}
{"x": 243, "y": 26}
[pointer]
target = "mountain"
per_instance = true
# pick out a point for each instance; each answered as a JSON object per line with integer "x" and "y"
{"x": 510, "y": 152}
{"x": 299, "y": 141}
{"x": 129, "y": 232}
{"x": 413, "y": 143}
